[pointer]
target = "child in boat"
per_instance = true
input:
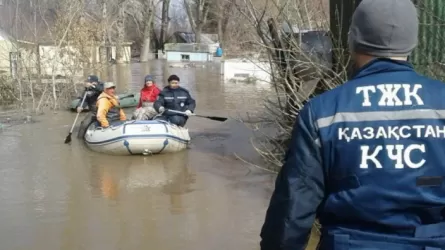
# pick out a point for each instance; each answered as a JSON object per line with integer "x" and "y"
{"x": 149, "y": 93}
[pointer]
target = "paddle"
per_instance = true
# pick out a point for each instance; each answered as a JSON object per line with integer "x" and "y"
{"x": 68, "y": 138}
{"x": 215, "y": 118}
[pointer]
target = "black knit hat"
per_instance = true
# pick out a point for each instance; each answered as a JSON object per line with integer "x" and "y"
{"x": 92, "y": 78}
{"x": 148, "y": 78}
{"x": 173, "y": 78}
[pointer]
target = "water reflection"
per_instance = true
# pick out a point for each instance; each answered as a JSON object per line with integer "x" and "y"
{"x": 212, "y": 93}
{"x": 196, "y": 199}
{"x": 170, "y": 174}
{"x": 122, "y": 75}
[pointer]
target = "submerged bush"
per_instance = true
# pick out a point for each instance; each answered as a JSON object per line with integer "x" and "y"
{"x": 8, "y": 92}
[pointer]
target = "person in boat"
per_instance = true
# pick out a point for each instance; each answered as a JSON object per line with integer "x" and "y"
{"x": 93, "y": 88}
{"x": 108, "y": 109}
{"x": 176, "y": 98}
{"x": 149, "y": 93}
{"x": 366, "y": 158}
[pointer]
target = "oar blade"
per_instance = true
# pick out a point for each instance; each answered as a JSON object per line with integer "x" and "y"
{"x": 216, "y": 118}
{"x": 68, "y": 139}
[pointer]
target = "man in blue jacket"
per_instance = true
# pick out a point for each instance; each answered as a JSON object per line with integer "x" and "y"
{"x": 368, "y": 157}
{"x": 174, "y": 97}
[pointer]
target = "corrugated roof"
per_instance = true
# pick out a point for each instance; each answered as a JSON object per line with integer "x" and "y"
{"x": 189, "y": 37}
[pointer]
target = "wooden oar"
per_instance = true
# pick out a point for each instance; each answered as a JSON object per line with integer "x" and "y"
{"x": 68, "y": 138}
{"x": 214, "y": 118}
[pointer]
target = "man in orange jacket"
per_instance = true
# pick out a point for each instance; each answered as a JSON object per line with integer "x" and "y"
{"x": 108, "y": 109}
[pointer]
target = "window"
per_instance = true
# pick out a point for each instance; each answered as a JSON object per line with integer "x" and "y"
{"x": 241, "y": 75}
{"x": 14, "y": 56}
{"x": 185, "y": 57}
{"x": 13, "y": 63}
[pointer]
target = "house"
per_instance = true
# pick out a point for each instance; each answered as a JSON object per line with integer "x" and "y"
{"x": 187, "y": 52}
{"x": 63, "y": 61}
{"x": 12, "y": 52}
{"x": 315, "y": 43}
{"x": 8, "y": 52}
{"x": 207, "y": 41}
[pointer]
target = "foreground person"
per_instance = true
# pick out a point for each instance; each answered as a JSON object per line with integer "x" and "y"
{"x": 108, "y": 109}
{"x": 176, "y": 98}
{"x": 367, "y": 158}
{"x": 93, "y": 88}
{"x": 149, "y": 94}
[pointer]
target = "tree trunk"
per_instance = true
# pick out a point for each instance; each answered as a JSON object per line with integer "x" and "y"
{"x": 220, "y": 33}
{"x": 164, "y": 24}
{"x": 221, "y": 15}
{"x": 120, "y": 33}
{"x": 198, "y": 32}
{"x": 103, "y": 47}
{"x": 148, "y": 28}
{"x": 223, "y": 20}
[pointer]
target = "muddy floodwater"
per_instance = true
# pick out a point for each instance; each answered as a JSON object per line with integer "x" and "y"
{"x": 58, "y": 196}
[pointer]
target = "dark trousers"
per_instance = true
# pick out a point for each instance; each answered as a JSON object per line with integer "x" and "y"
{"x": 178, "y": 120}
{"x": 86, "y": 122}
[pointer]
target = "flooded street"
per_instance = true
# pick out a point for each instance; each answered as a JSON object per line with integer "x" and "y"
{"x": 58, "y": 196}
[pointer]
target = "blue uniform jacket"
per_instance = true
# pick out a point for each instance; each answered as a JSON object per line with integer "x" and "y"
{"x": 368, "y": 159}
{"x": 176, "y": 99}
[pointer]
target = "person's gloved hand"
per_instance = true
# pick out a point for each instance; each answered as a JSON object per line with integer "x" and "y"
{"x": 188, "y": 112}
{"x": 79, "y": 109}
{"x": 161, "y": 109}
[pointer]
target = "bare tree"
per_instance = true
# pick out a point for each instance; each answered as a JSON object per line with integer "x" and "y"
{"x": 148, "y": 17}
{"x": 298, "y": 70}
{"x": 72, "y": 10}
{"x": 105, "y": 48}
{"x": 120, "y": 30}
{"x": 164, "y": 22}
{"x": 224, "y": 8}
{"x": 197, "y": 11}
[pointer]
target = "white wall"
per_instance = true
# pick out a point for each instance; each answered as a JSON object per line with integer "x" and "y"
{"x": 175, "y": 56}
{"x": 126, "y": 57}
{"x": 241, "y": 69}
{"x": 64, "y": 62}
{"x": 5, "y": 48}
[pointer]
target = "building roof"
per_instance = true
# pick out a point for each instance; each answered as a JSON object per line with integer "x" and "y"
{"x": 187, "y": 47}
{"x": 4, "y": 35}
{"x": 189, "y": 37}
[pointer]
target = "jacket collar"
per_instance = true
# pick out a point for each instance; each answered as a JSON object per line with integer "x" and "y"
{"x": 145, "y": 88}
{"x": 114, "y": 98}
{"x": 172, "y": 89}
{"x": 381, "y": 65}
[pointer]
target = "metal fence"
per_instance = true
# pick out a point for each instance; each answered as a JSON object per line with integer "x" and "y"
{"x": 428, "y": 57}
